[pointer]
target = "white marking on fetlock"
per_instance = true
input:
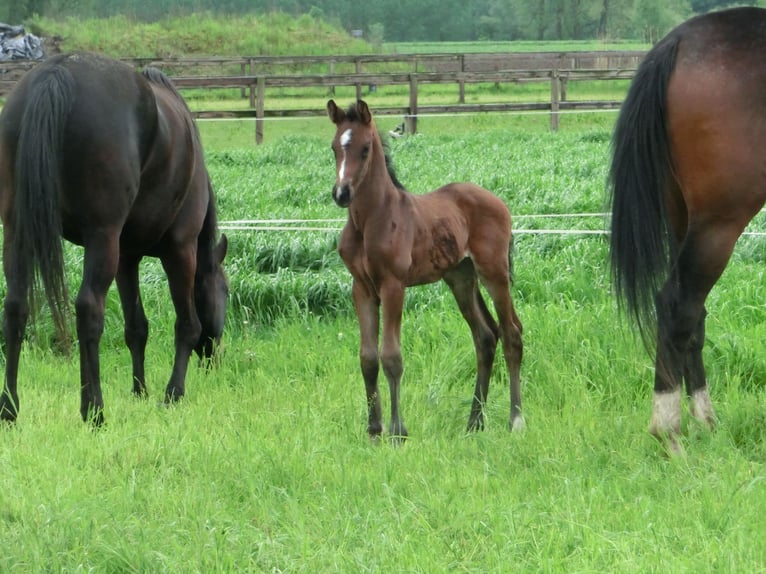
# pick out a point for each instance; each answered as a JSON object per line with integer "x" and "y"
{"x": 518, "y": 424}
{"x": 666, "y": 414}
{"x": 701, "y": 407}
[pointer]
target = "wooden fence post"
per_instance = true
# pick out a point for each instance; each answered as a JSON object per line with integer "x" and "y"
{"x": 259, "y": 106}
{"x": 242, "y": 93}
{"x": 358, "y": 69}
{"x": 461, "y": 83}
{"x": 554, "y": 100}
{"x": 411, "y": 121}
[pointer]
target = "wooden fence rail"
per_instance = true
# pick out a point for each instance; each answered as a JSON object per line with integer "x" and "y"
{"x": 256, "y": 74}
{"x": 256, "y": 86}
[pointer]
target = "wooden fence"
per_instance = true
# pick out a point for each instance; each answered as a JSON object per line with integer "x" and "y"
{"x": 253, "y": 75}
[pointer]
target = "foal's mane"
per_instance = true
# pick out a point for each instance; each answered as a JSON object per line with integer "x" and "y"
{"x": 352, "y": 115}
{"x": 389, "y": 162}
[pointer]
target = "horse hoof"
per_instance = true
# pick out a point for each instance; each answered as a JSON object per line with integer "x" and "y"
{"x": 8, "y": 413}
{"x": 475, "y": 425}
{"x": 398, "y": 439}
{"x": 95, "y": 419}
{"x": 517, "y": 424}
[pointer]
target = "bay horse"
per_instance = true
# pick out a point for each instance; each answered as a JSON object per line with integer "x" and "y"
{"x": 109, "y": 159}
{"x": 687, "y": 175}
{"x": 394, "y": 239}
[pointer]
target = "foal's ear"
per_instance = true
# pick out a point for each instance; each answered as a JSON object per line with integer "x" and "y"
{"x": 364, "y": 112}
{"x": 336, "y": 114}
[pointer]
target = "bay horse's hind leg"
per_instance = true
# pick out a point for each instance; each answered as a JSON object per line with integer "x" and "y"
{"x": 680, "y": 327}
{"x": 136, "y": 324}
{"x": 15, "y": 316}
{"x": 463, "y": 283}
{"x": 696, "y": 381}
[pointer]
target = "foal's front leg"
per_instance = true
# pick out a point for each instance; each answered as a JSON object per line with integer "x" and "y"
{"x": 392, "y": 299}
{"x": 367, "y": 307}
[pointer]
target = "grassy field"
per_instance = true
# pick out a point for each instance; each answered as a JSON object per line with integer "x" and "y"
{"x": 265, "y": 466}
{"x": 515, "y": 46}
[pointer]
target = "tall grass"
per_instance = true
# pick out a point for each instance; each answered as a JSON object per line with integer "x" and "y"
{"x": 265, "y": 466}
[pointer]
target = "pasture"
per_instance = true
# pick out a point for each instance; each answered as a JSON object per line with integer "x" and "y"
{"x": 265, "y": 465}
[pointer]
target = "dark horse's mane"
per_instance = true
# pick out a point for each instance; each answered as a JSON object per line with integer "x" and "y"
{"x": 352, "y": 115}
{"x": 208, "y": 233}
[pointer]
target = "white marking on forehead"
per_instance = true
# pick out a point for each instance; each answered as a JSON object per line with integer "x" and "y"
{"x": 345, "y": 138}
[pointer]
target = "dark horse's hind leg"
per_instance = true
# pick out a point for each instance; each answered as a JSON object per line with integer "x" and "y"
{"x": 136, "y": 324}
{"x": 463, "y": 283}
{"x": 15, "y": 315}
{"x": 100, "y": 268}
{"x": 180, "y": 265}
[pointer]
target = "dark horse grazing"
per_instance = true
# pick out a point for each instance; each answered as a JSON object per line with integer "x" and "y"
{"x": 687, "y": 175}
{"x": 110, "y": 159}
{"x": 393, "y": 239}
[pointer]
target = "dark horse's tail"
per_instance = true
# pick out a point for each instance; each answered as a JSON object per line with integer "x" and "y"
{"x": 640, "y": 174}
{"x": 37, "y": 213}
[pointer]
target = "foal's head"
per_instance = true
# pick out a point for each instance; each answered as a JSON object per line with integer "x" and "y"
{"x": 355, "y": 136}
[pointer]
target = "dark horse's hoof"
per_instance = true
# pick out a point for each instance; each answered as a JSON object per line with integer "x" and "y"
{"x": 8, "y": 409}
{"x": 475, "y": 424}
{"x": 95, "y": 418}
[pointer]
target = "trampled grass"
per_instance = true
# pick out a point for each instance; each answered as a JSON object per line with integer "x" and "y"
{"x": 265, "y": 465}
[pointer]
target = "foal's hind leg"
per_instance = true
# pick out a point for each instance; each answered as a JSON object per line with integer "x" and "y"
{"x": 464, "y": 286}
{"x": 496, "y": 278}
{"x": 15, "y": 315}
{"x": 136, "y": 324}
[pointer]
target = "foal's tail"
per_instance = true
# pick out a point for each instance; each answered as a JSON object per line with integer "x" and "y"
{"x": 641, "y": 171}
{"x": 37, "y": 213}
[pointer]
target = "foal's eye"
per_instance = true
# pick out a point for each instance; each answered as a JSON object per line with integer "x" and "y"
{"x": 365, "y": 151}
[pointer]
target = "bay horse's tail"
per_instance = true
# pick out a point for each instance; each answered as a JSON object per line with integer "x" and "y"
{"x": 640, "y": 174}
{"x": 38, "y": 181}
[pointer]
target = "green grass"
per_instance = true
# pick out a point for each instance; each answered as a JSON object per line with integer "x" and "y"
{"x": 200, "y": 34}
{"x": 514, "y": 46}
{"x": 265, "y": 465}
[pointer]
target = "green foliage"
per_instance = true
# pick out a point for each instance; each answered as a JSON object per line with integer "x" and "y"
{"x": 383, "y": 20}
{"x": 274, "y": 33}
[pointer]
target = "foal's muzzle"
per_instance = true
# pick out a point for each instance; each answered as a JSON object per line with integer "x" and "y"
{"x": 342, "y": 194}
